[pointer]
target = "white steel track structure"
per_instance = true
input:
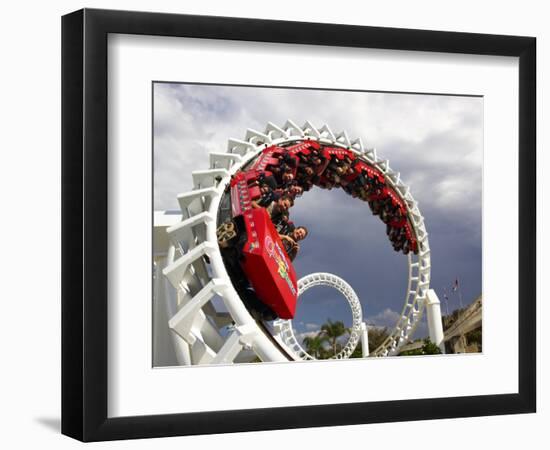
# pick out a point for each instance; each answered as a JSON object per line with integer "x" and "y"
{"x": 195, "y": 269}
{"x": 286, "y": 331}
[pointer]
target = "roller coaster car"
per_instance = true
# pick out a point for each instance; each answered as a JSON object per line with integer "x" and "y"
{"x": 254, "y": 253}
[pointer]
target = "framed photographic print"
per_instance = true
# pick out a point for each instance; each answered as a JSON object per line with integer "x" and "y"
{"x": 273, "y": 224}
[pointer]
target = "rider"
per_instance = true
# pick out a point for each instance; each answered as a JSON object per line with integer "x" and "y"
{"x": 268, "y": 192}
{"x": 280, "y": 206}
{"x": 290, "y": 242}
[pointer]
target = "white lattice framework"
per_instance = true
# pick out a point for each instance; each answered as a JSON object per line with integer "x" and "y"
{"x": 194, "y": 265}
{"x": 330, "y": 280}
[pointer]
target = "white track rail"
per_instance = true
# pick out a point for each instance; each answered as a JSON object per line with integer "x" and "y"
{"x": 325, "y": 279}
{"x": 194, "y": 265}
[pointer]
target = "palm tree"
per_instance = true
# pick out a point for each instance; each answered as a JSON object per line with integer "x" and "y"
{"x": 332, "y": 331}
{"x": 377, "y": 336}
{"x": 315, "y": 345}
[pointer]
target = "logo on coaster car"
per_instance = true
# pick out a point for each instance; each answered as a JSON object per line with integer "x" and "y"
{"x": 275, "y": 252}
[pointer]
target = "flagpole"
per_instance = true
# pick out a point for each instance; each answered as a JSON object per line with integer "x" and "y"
{"x": 456, "y": 288}
{"x": 446, "y": 297}
{"x": 460, "y": 295}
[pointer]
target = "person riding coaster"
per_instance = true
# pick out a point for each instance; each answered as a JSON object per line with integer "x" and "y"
{"x": 290, "y": 241}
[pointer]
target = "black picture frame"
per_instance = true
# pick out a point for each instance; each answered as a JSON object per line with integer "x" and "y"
{"x": 84, "y": 224}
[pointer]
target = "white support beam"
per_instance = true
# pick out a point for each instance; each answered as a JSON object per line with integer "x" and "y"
{"x": 224, "y": 160}
{"x": 435, "y": 322}
{"x": 175, "y": 271}
{"x": 193, "y": 202}
{"x": 231, "y": 348}
{"x": 208, "y": 178}
{"x": 371, "y": 154}
{"x": 357, "y": 145}
{"x": 310, "y": 129}
{"x": 239, "y": 146}
{"x": 274, "y": 131}
{"x": 201, "y": 353}
{"x": 183, "y": 231}
{"x": 162, "y": 220}
{"x": 364, "y": 339}
{"x": 343, "y": 138}
{"x": 183, "y": 320}
{"x": 295, "y": 129}
{"x": 256, "y": 137}
{"x": 325, "y": 129}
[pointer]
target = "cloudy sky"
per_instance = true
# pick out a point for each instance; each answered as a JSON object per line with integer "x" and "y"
{"x": 434, "y": 141}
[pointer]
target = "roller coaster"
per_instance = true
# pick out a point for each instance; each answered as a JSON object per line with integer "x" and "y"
{"x": 225, "y": 289}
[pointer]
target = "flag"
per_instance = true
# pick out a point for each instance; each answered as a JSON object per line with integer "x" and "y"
{"x": 455, "y": 286}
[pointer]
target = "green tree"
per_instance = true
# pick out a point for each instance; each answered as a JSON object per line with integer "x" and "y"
{"x": 358, "y": 352}
{"x": 333, "y": 331}
{"x": 415, "y": 352}
{"x": 474, "y": 337}
{"x": 315, "y": 345}
{"x": 377, "y": 336}
{"x": 428, "y": 348}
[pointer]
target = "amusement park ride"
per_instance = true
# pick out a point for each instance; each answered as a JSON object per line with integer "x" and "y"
{"x": 225, "y": 290}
